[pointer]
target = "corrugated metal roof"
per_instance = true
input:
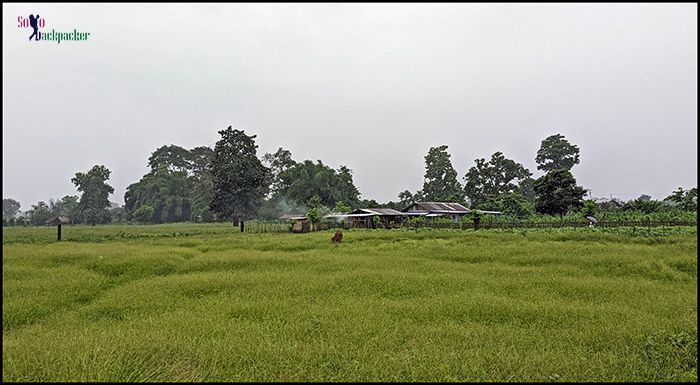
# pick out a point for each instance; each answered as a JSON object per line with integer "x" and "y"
{"x": 439, "y": 207}
{"x": 349, "y": 215}
{"x": 379, "y": 212}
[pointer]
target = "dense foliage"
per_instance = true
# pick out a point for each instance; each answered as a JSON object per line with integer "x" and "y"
{"x": 557, "y": 193}
{"x": 440, "y": 180}
{"x": 177, "y": 188}
{"x": 557, "y": 153}
{"x": 94, "y": 202}
{"x": 486, "y": 181}
{"x": 302, "y": 181}
{"x": 239, "y": 178}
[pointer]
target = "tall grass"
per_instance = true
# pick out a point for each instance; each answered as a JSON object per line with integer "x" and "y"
{"x": 207, "y": 303}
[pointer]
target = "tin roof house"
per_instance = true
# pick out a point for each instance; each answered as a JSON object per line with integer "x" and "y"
{"x": 450, "y": 210}
{"x": 388, "y": 218}
{"x": 437, "y": 209}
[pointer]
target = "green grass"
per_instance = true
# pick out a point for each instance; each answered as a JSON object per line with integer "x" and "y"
{"x": 206, "y": 303}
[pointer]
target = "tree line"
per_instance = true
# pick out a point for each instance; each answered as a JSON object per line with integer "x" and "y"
{"x": 231, "y": 183}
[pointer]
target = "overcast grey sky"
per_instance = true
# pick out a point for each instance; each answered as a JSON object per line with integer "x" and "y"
{"x": 369, "y": 86}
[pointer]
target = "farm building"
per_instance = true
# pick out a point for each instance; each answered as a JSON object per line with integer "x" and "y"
{"x": 388, "y": 218}
{"x": 437, "y": 209}
{"x": 302, "y": 224}
{"x": 450, "y": 210}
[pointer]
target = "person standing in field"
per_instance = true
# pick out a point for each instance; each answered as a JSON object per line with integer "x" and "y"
{"x": 34, "y": 23}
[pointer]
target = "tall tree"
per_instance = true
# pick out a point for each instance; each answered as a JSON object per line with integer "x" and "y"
{"x": 68, "y": 206}
{"x": 39, "y": 213}
{"x": 488, "y": 180}
{"x": 10, "y": 209}
{"x": 556, "y": 153}
{"x": 278, "y": 162}
{"x": 557, "y": 193}
{"x": 643, "y": 204}
{"x": 406, "y": 198}
{"x": 94, "y": 203}
{"x": 440, "y": 182}
{"x": 304, "y": 180}
{"x": 202, "y": 182}
{"x": 178, "y": 187}
{"x": 526, "y": 187}
{"x": 513, "y": 203}
{"x": 172, "y": 158}
{"x": 239, "y": 178}
{"x": 686, "y": 200}
{"x": 168, "y": 193}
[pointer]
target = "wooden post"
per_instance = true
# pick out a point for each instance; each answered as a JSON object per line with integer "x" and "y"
{"x": 242, "y": 226}
{"x": 59, "y": 231}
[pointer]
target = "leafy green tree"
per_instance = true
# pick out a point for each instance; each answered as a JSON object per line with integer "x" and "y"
{"x": 118, "y": 214}
{"x": 307, "y": 179}
{"x": 143, "y": 214}
{"x": 341, "y": 207}
{"x": 406, "y": 198}
{"x": 488, "y": 180}
{"x": 690, "y": 200}
{"x": 94, "y": 202}
{"x": 313, "y": 212}
{"x": 393, "y": 205}
{"x": 609, "y": 206}
{"x": 440, "y": 181}
{"x": 202, "y": 182}
{"x": 556, "y": 153}
{"x": 686, "y": 200}
{"x": 239, "y": 178}
{"x": 557, "y": 193}
{"x": 68, "y": 206}
{"x": 526, "y": 187}
{"x": 643, "y": 204}
{"x": 278, "y": 162}
{"x": 171, "y": 158}
{"x": 369, "y": 204}
{"x": 314, "y": 215}
{"x": 39, "y": 214}
{"x": 512, "y": 203}
{"x": 276, "y": 204}
{"x": 168, "y": 193}
{"x": 10, "y": 209}
{"x": 589, "y": 208}
{"x": 179, "y": 185}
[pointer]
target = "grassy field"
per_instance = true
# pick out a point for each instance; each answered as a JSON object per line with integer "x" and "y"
{"x": 206, "y": 303}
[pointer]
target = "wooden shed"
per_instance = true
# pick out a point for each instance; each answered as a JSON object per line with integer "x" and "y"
{"x": 302, "y": 224}
{"x": 388, "y": 218}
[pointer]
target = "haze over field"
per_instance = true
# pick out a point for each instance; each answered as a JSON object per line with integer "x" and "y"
{"x": 369, "y": 86}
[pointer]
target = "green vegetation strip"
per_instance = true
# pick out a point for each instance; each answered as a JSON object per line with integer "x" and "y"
{"x": 207, "y": 303}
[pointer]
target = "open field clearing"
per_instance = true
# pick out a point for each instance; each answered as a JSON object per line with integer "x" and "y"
{"x": 207, "y": 303}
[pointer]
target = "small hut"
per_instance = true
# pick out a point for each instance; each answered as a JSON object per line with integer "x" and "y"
{"x": 302, "y": 224}
{"x": 58, "y": 222}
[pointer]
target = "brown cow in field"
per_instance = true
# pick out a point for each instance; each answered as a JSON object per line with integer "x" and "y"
{"x": 337, "y": 237}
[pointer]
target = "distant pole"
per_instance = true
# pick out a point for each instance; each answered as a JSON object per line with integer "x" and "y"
{"x": 241, "y": 226}
{"x": 59, "y": 231}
